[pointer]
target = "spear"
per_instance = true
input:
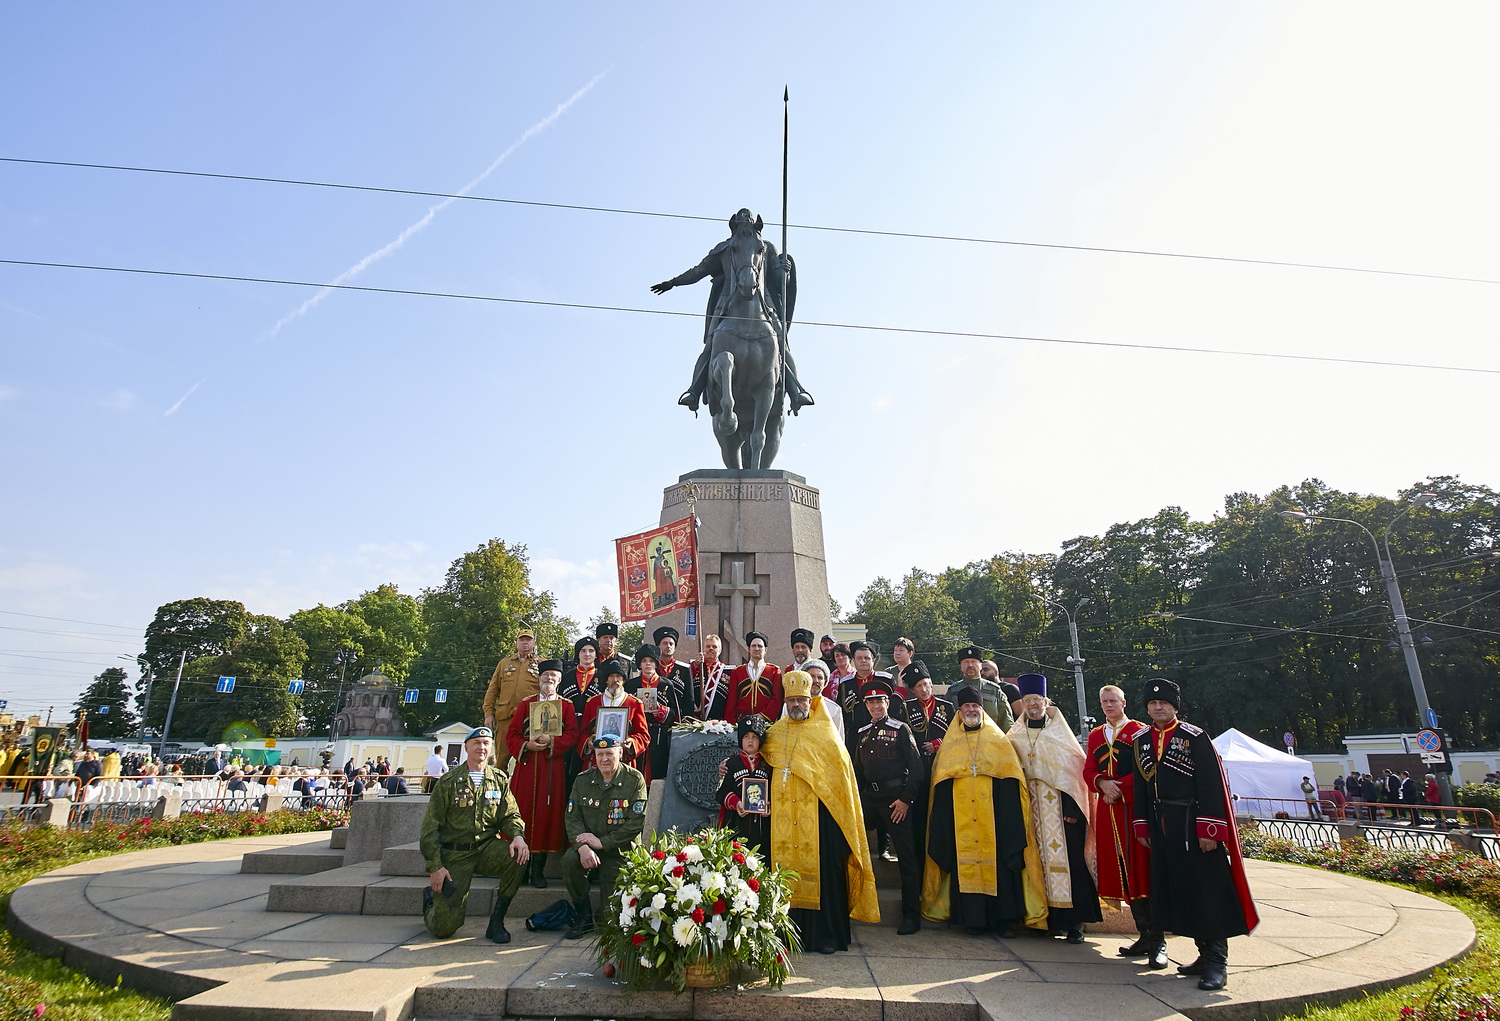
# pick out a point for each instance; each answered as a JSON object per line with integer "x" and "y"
{"x": 786, "y": 96}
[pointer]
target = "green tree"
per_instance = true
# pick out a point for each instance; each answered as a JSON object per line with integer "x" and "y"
{"x": 336, "y": 641}
{"x": 920, "y": 611}
{"x": 264, "y": 659}
{"x": 472, "y": 620}
{"x": 107, "y": 705}
{"x": 196, "y": 627}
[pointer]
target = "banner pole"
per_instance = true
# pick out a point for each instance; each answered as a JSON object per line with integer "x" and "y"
{"x": 690, "y": 490}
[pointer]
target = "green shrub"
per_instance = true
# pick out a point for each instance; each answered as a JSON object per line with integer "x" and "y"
{"x": 1478, "y": 795}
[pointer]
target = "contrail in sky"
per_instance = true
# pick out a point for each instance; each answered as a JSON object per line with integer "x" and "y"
{"x": 401, "y": 239}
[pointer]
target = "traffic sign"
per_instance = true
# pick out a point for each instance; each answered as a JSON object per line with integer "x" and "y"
{"x": 1429, "y": 741}
{"x": 1432, "y": 717}
{"x": 1432, "y": 758}
{"x": 226, "y": 685}
{"x": 1288, "y": 739}
{"x": 441, "y": 695}
{"x": 4, "y": 703}
{"x": 104, "y": 710}
{"x": 411, "y": 695}
{"x": 295, "y": 687}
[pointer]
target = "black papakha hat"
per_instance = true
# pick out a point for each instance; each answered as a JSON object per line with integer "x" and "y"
{"x": 1161, "y": 689}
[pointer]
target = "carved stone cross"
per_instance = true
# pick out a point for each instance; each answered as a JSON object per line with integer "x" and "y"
{"x": 738, "y": 590}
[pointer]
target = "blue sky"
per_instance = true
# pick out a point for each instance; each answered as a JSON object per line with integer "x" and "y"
{"x": 164, "y": 437}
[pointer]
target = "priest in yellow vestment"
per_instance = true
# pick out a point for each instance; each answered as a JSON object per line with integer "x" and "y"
{"x": 982, "y": 872}
{"x": 817, "y": 827}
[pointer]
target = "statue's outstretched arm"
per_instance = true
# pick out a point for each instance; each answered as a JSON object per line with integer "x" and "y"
{"x": 692, "y": 276}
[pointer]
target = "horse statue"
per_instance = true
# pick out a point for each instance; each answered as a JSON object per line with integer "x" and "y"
{"x": 745, "y": 372}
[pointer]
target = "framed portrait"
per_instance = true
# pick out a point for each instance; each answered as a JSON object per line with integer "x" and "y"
{"x": 755, "y": 796}
{"x": 546, "y": 718}
{"x": 648, "y": 697}
{"x": 613, "y": 721}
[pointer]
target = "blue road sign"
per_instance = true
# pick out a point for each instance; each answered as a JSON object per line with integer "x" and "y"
{"x": 411, "y": 695}
{"x": 1431, "y": 717}
{"x": 295, "y": 687}
{"x": 4, "y": 702}
{"x": 104, "y": 710}
{"x": 1429, "y": 741}
{"x": 226, "y": 685}
{"x": 441, "y": 695}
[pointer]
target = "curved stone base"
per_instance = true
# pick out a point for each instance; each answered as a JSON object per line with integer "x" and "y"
{"x": 185, "y": 922}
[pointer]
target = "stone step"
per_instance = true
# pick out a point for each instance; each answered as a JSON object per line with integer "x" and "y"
{"x": 403, "y": 860}
{"x": 339, "y": 838}
{"x": 299, "y": 860}
{"x": 363, "y": 890}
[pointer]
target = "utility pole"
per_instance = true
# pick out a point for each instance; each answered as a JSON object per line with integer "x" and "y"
{"x": 161, "y": 749}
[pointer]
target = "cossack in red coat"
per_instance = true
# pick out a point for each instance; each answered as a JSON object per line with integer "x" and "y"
{"x": 540, "y": 780}
{"x": 1124, "y": 865}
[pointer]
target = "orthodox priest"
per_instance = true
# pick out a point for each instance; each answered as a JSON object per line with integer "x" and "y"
{"x": 1124, "y": 865}
{"x": 982, "y": 871}
{"x": 1053, "y": 764}
{"x": 1182, "y": 812}
{"x": 540, "y": 779}
{"x": 817, "y": 827}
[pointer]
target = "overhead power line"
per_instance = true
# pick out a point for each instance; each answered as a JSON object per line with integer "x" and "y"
{"x": 965, "y": 334}
{"x": 914, "y": 235}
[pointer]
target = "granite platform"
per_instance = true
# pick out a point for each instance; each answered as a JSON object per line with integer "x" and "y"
{"x": 187, "y": 922}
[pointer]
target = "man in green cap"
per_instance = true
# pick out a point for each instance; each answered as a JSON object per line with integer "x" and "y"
{"x": 605, "y": 815}
{"x": 470, "y": 809}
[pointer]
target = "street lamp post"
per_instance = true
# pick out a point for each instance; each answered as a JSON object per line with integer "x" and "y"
{"x": 1398, "y": 608}
{"x": 1076, "y": 659}
{"x": 343, "y": 657}
{"x": 150, "y": 680}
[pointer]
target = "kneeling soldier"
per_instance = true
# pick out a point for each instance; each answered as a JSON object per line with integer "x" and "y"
{"x": 470, "y": 808}
{"x": 605, "y": 814}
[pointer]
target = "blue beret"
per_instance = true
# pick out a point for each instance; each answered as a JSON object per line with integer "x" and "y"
{"x": 479, "y": 732}
{"x": 607, "y": 741}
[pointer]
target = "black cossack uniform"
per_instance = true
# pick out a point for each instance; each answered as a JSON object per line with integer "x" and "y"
{"x": 889, "y": 769}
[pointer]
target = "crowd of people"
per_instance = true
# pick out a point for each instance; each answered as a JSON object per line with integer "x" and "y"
{"x": 997, "y": 819}
{"x": 1397, "y": 793}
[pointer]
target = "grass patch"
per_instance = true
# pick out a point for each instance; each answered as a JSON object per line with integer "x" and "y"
{"x": 29, "y": 980}
{"x": 1466, "y": 990}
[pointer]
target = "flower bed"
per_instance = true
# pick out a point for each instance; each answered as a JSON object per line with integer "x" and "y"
{"x": 697, "y": 899}
{"x": 1451, "y": 871}
{"x": 25, "y": 848}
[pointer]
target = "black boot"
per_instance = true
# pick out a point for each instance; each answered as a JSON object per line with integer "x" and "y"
{"x": 496, "y": 933}
{"x": 538, "y": 863}
{"x": 909, "y": 925}
{"x": 1141, "y": 913}
{"x": 1156, "y": 951}
{"x": 1196, "y": 968}
{"x": 585, "y": 923}
{"x": 1215, "y": 965}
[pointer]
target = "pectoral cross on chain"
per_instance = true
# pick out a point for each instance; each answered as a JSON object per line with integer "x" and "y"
{"x": 786, "y": 772}
{"x": 973, "y": 769}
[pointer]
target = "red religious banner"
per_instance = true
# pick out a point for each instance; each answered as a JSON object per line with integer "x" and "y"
{"x": 658, "y": 570}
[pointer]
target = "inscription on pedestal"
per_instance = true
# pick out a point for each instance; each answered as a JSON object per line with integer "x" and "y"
{"x": 777, "y": 492}
{"x": 697, "y": 773}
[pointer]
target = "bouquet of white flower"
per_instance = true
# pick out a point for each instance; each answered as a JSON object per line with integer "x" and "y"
{"x": 705, "y": 727}
{"x": 700, "y": 899}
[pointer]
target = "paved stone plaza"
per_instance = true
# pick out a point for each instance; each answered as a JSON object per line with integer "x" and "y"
{"x": 186, "y": 922}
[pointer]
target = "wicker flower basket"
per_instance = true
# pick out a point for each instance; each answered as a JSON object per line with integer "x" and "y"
{"x": 707, "y": 975}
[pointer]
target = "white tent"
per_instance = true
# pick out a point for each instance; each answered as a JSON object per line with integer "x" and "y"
{"x": 1257, "y": 771}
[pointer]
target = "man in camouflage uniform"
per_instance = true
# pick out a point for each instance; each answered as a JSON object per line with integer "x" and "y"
{"x": 470, "y": 809}
{"x": 514, "y": 678}
{"x": 605, "y": 815}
